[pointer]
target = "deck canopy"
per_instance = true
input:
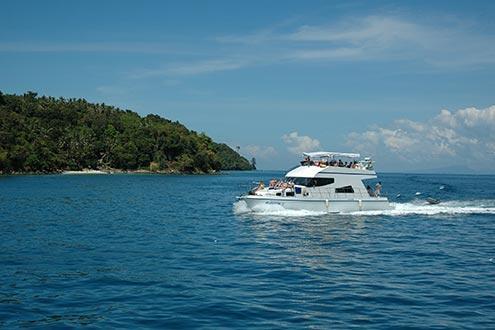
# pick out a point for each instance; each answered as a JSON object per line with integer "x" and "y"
{"x": 330, "y": 154}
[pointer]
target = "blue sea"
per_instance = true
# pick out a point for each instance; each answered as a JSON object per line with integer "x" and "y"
{"x": 159, "y": 251}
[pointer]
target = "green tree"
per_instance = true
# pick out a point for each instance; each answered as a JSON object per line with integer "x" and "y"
{"x": 45, "y": 134}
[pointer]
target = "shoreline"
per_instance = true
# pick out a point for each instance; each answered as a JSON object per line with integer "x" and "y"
{"x": 109, "y": 172}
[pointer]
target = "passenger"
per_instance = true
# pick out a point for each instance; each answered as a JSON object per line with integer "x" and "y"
{"x": 378, "y": 189}
{"x": 370, "y": 191}
{"x": 340, "y": 163}
{"x": 261, "y": 185}
{"x": 272, "y": 184}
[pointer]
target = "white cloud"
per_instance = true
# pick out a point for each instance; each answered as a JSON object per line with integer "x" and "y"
{"x": 441, "y": 43}
{"x": 376, "y": 29}
{"x": 327, "y": 54}
{"x": 462, "y": 137}
{"x": 438, "y": 44}
{"x": 97, "y": 47}
{"x": 297, "y": 144}
{"x": 206, "y": 67}
{"x": 261, "y": 152}
{"x": 193, "y": 68}
{"x": 472, "y": 117}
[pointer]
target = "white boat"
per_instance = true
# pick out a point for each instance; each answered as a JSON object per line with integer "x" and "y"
{"x": 322, "y": 183}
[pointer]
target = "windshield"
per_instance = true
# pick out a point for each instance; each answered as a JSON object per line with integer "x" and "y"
{"x": 311, "y": 182}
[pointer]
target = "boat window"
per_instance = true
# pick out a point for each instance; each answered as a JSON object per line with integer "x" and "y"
{"x": 323, "y": 181}
{"x": 346, "y": 189}
{"x": 301, "y": 181}
{"x": 311, "y": 182}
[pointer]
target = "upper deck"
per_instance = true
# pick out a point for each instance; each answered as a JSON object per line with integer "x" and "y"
{"x": 311, "y": 171}
{"x": 323, "y": 163}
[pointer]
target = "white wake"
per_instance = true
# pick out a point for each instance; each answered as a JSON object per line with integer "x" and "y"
{"x": 398, "y": 209}
{"x": 240, "y": 207}
{"x": 446, "y": 208}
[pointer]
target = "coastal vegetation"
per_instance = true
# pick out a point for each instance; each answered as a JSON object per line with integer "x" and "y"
{"x": 46, "y": 134}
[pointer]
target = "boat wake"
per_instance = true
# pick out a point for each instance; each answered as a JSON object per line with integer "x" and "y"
{"x": 398, "y": 209}
{"x": 444, "y": 208}
{"x": 240, "y": 207}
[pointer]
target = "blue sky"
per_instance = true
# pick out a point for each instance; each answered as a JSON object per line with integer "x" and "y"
{"x": 409, "y": 83}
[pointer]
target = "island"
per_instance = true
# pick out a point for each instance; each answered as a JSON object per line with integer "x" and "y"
{"x": 40, "y": 134}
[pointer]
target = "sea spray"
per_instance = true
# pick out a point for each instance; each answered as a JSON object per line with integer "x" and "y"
{"x": 445, "y": 208}
{"x": 240, "y": 207}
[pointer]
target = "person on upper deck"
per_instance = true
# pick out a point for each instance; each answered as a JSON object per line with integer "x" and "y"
{"x": 340, "y": 163}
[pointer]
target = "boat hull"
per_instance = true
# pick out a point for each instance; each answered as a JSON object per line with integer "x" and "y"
{"x": 317, "y": 205}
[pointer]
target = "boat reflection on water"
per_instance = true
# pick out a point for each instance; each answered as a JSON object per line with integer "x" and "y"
{"x": 304, "y": 238}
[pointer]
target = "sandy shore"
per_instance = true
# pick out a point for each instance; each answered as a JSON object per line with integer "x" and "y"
{"x": 86, "y": 171}
{"x": 108, "y": 171}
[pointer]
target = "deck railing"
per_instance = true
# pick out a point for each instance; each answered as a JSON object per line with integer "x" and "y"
{"x": 330, "y": 194}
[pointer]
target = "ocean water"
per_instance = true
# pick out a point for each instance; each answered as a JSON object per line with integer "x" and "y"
{"x": 156, "y": 251}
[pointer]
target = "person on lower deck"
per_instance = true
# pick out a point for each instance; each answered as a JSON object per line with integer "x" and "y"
{"x": 378, "y": 189}
{"x": 370, "y": 191}
{"x": 261, "y": 186}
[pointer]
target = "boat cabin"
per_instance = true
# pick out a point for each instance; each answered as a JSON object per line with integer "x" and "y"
{"x": 328, "y": 175}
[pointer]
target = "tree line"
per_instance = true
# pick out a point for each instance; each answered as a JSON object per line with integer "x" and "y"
{"x": 46, "y": 134}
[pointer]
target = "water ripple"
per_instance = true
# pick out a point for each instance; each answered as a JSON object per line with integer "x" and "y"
{"x": 141, "y": 251}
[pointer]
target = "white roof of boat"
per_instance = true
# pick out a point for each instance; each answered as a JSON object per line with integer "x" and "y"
{"x": 314, "y": 171}
{"x": 320, "y": 154}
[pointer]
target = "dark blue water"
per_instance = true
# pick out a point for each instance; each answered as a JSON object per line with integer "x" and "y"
{"x": 139, "y": 251}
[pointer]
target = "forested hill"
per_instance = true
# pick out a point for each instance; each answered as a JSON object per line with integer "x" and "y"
{"x": 45, "y": 134}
